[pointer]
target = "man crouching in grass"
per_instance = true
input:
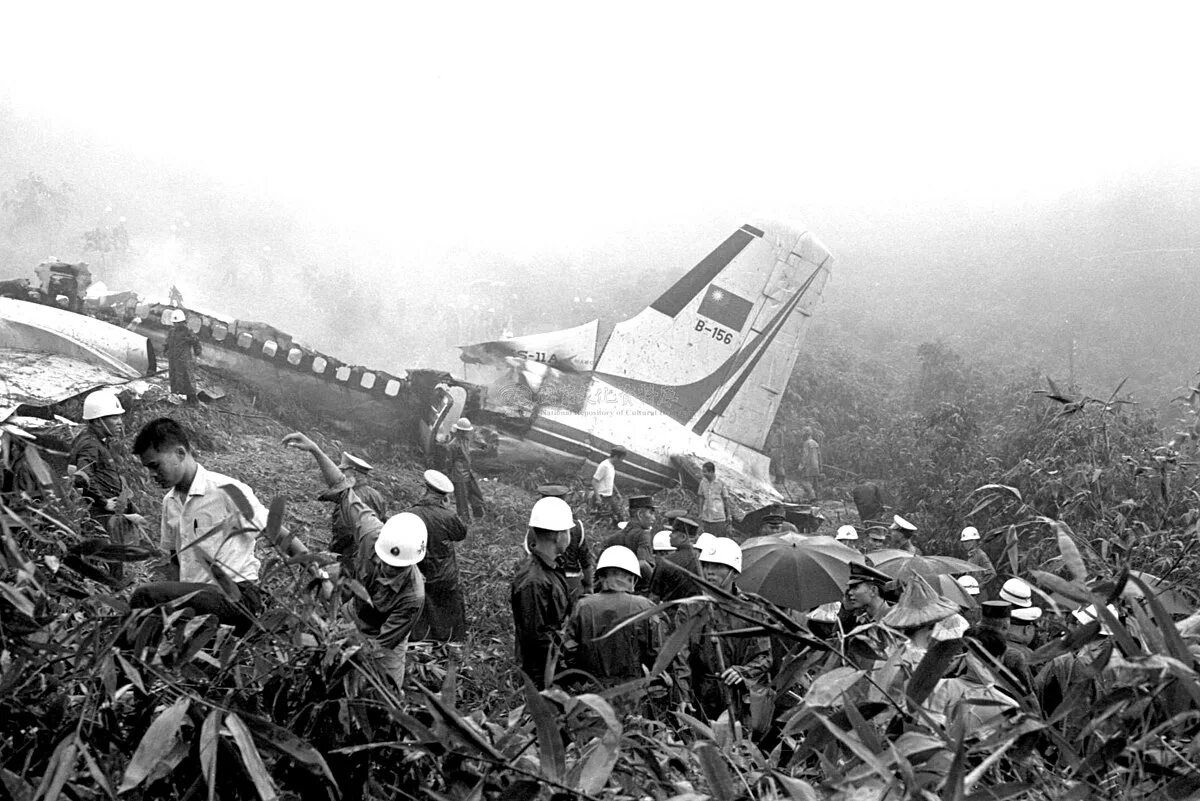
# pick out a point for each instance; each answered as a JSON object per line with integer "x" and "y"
{"x": 202, "y": 527}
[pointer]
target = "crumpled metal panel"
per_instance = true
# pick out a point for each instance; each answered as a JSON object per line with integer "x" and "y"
{"x": 42, "y": 379}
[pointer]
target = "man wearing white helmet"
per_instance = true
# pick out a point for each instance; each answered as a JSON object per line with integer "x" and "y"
{"x": 735, "y": 663}
{"x": 630, "y": 652}
{"x": 182, "y": 348}
{"x": 848, "y": 535}
{"x": 576, "y": 562}
{"x": 972, "y": 544}
{"x": 445, "y": 615}
{"x": 540, "y": 597}
{"x": 385, "y": 563}
{"x": 96, "y": 472}
{"x": 467, "y": 496}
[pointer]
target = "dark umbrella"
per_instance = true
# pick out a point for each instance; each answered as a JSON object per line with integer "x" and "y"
{"x": 797, "y": 573}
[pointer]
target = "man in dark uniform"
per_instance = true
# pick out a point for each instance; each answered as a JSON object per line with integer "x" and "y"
{"x": 870, "y": 502}
{"x": 576, "y": 561}
{"x": 669, "y": 582}
{"x": 385, "y": 564}
{"x": 638, "y": 536}
{"x": 467, "y": 496}
{"x": 621, "y": 657}
{"x": 182, "y": 348}
{"x": 341, "y": 540}
{"x": 96, "y": 472}
{"x": 541, "y": 600}
{"x": 445, "y": 614}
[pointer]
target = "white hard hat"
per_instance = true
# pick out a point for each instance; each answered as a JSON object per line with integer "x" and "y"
{"x": 463, "y": 424}
{"x": 1026, "y": 615}
{"x": 723, "y": 551}
{"x": 101, "y": 403}
{"x": 704, "y": 541}
{"x": 178, "y": 316}
{"x": 351, "y": 461}
{"x": 1016, "y": 592}
{"x": 1085, "y": 616}
{"x": 622, "y": 524}
{"x": 662, "y": 541}
{"x": 969, "y": 534}
{"x": 552, "y": 514}
{"x": 970, "y": 584}
{"x": 900, "y": 524}
{"x": 847, "y": 532}
{"x": 438, "y": 482}
{"x": 402, "y": 541}
{"x": 620, "y": 557}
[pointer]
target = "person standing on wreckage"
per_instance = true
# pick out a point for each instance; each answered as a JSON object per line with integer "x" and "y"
{"x": 467, "y": 496}
{"x": 385, "y": 564}
{"x": 182, "y": 349}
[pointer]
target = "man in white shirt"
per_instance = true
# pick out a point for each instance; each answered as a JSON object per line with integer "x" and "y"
{"x": 210, "y": 522}
{"x": 715, "y": 508}
{"x": 607, "y": 499}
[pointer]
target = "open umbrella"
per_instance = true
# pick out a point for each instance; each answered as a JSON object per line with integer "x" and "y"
{"x": 900, "y": 564}
{"x": 797, "y": 573}
{"x": 951, "y": 590}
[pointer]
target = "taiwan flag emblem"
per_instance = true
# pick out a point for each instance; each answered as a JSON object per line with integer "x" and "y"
{"x": 725, "y": 308}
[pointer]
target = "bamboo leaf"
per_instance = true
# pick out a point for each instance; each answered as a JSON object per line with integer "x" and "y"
{"x": 288, "y": 743}
{"x": 17, "y": 788}
{"x": 97, "y": 774}
{"x": 720, "y": 780}
{"x": 156, "y": 745}
{"x": 264, "y": 785}
{"x": 17, "y": 598}
{"x": 550, "y": 744}
{"x": 797, "y": 789}
{"x": 239, "y": 500}
{"x": 1069, "y": 551}
{"x": 1063, "y": 587}
{"x": 828, "y": 688}
{"x": 597, "y": 764}
{"x": 58, "y": 769}
{"x": 209, "y": 732}
{"x": 678, "y": 640}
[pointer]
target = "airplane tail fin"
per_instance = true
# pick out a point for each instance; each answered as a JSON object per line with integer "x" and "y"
{"x": 715, "y": 351}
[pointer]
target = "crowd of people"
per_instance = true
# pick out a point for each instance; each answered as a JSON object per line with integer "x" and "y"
{"x": 938, "y": 635}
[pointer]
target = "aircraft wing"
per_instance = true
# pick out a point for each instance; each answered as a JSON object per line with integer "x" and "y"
{"x": 42, "y": 379}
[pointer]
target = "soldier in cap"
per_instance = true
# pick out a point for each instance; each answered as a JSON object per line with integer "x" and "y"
{"x": 445, "y": 614}
{"x": 385, "y": 563}
{"x": 904, "y": 534}
{"x": 467, "y": 495}
{"x": 862, "y": 605}
{"x": 673, "y": 570}
{"x": 774, "y": 522}
{"x": 638, "y": 536}
{"x": 541, "y": 600}
{"x": 631, "y": 652}
{"x": 877, "y": 537}
{"x": 182, "y": 348}
{"x": 604, "y": 486}
{"x": 576, "y": 561}
{"x": 342, "y": 540}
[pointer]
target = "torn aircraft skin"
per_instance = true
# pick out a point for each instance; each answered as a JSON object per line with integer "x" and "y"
{"x": 696, "y": 376}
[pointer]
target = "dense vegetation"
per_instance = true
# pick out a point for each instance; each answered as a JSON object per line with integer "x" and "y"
{"x": 97, "y": 701}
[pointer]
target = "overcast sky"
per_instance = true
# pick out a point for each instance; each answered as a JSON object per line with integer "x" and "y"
{"x": 522, "y": 127}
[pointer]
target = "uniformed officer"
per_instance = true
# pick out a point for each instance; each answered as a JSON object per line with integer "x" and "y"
{"x": 539, "y": 594}
{"x": 341, "y": 540}
{"x": 638, "y": 536}
{"x": 445, "y": 615}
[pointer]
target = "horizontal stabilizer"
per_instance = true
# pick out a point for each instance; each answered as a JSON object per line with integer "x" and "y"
{"x": 571, "y": 350}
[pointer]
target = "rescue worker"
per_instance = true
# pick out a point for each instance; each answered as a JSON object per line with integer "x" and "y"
{"x": 662, "y": 544}
{"x": 444, "y": 617}
{"x": 467, "y": 495}
{"x": 724, "y": 669}
{"x": 638, "y": 536}
{"x": 1018, "y": 657}
{"x": 810, "y": 465}
{"x": 576, "y": 561}
{"x": 95, "y": 472}
{"x": 870, "y": 502}
{"x": 970, "y": 585}
{"x": 776, "y": 449}
{"x": 673, "y": 570}
{"x": 341, "y": 540}
{"x": 606, "y": 498}
{"x": 716, "y": 510}
{"x": 904, "y": 535}
{"x": 847, "y": 535}
{"x": 202, "y": 526}
{"x": 877, "y": 537}
{"x": 541, "y": 600}
{"x": 630, "y": 653}
{"x": 862, "y": 605}
{"x": 182, "y": 348}
{"x": 976, "y": 555}
{"x": 774, "y": 522}
{"x": 385, "y": 564}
